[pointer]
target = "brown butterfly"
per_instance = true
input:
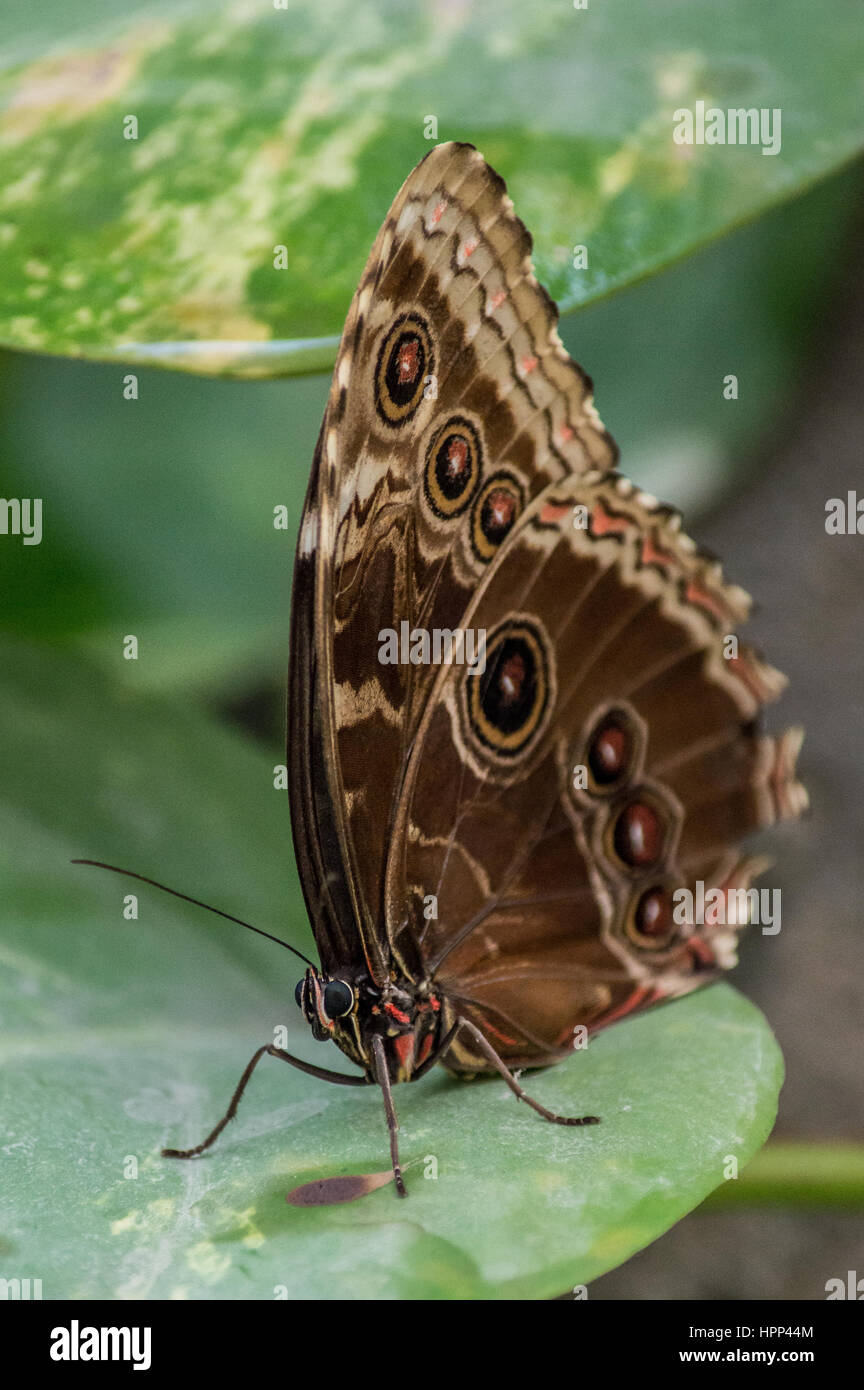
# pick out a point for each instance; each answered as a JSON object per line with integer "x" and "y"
{"x": 489, "y": 841}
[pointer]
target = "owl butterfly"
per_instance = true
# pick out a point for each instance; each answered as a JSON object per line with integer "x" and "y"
{"x": 489, "y": 847}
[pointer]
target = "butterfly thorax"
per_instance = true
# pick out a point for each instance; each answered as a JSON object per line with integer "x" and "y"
{"x": 352, "y": 1011}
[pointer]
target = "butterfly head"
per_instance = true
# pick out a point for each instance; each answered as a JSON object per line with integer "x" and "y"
{"x": 322, "y": 1001}
{"x": 351, "y": 1012}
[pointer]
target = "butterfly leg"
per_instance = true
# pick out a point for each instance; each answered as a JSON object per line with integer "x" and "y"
{"x": 383, "y": 1079}
{"x": 269, "y": 1050}
{"x": 489, "y": 1052}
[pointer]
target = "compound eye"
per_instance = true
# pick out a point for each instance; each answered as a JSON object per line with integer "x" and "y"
{"x": 298, "y": 993}
{"x": 338, "y": 999}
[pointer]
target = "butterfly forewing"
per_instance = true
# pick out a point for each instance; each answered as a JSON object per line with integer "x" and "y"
{"x": 452, "y": 405}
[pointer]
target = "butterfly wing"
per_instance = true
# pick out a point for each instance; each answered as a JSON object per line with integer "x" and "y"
{"x": 453, "y": 404}
{"x": 606, "y": 757}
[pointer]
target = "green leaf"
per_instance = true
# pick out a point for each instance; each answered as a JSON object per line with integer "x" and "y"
{"x": 121, "y": 1036}
{"x": 261, "y": 127}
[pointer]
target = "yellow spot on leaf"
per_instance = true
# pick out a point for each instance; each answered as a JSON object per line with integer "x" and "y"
{"x": 26, "y": 331}
{"x": 162, "y": 1209}
{"x": 619, "y": 1243}
{"x": 208, "y": 1262}
{"x": 237, "y": 1221}
{"x": 130, "y": 1222}
{"x": 214, "y": 318}
{"x": 23, "y": 190}
{"x": 62, "y": 90}
{"x": 551, "y": 1182}
{"x": 157, "y": 1217}
{"x": 617, "y": 171}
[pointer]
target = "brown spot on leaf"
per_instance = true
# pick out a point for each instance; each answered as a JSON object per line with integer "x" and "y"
{"x": 329, "y": 1192}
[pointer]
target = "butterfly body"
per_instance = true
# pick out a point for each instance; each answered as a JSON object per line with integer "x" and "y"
{"x": 405, "y": 1015}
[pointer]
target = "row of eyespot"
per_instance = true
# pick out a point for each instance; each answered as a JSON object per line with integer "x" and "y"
{"x": 638, "y": 834}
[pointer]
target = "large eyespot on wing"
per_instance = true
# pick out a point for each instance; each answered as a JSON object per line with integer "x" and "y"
{"x": 453, "y": 467}
{"x": 507, "y": 705}
{"x": 637, "y": 831}
{"x": 609, "y": 752}
{"x": 649, "y": 920}
{"x": 495, "y": 512}
{"x": 406, "y": 360}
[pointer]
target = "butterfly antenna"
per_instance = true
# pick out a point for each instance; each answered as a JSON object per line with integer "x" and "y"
{"x": 128, "y": 873}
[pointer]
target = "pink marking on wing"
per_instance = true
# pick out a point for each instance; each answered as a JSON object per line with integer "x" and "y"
{"x": 653, "y": 555}
{"x": 750, "y": 676}
{"x": 696, "y": 594}
{"x": 700, "y": 953}
{"x": 604, "y": 522}
{"x": 555, "y": 511}
{"x": 639, "y": 998}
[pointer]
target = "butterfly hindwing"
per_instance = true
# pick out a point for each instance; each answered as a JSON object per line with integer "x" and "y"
{"x": 605, "y": 758}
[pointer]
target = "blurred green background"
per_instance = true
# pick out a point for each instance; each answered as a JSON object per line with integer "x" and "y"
{"x": 261, "y": 127}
